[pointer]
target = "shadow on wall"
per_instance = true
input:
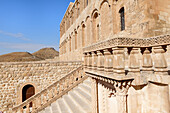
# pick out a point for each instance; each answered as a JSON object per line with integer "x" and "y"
{"x": 168, "y": 72}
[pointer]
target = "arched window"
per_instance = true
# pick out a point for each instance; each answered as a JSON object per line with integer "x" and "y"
{"x": 27, "y": 92}
{"x": 95, "y": 34}
{"x": 70, "y": 43}
{"x": 83, "y": 35}
{"x": 75, "y": 40}
{"x": 122, "y": 18}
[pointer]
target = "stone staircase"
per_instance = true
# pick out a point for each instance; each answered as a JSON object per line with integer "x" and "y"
{"x": 78, "y": 100}
{"x": 70, "y": 94}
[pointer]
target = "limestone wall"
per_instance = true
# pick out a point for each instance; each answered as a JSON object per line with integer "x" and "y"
{"x": 100, "y": 20}
{"x": 14, "y": 76}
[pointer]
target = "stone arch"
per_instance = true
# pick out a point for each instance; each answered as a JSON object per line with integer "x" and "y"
{"x": 93, "y": 12}
{"x": 83, "y": 27}
{"x": 27, "y": 91}
{"x": 105, "y": 19}
{"x": 122, "y": 18}
{"x": 75, "y": 39}
{"x": 88, "y": 31}
{"x": 20, "y": 89}
{"x": 95, "y": 26}
{"x": 87, "y": 18}
{"x": 102, "y": 2}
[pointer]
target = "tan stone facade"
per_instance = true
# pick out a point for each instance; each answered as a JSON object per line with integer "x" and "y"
{"x": 125, "y": 49}
{"x": 85, "y": 24}
{"x": 14, "y": 76}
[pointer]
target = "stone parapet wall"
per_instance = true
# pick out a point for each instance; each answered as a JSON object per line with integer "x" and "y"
{"x": 14, "y": 76}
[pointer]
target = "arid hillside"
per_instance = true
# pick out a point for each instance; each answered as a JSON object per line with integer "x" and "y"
{"x": 42, "y": 54}
{"x": 46, "y": 53}
{"x": 18, "y": 57}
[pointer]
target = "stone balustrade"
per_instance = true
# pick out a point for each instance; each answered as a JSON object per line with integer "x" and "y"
{"x": 127, "y": 57}
{"x": 118, "y": 64}
{"x": 51, "y": 93}
{"x": 40, "y": 74}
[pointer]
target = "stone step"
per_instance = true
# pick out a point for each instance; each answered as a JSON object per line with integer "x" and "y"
{"x": 71, "y": 104}
{"x": 62, "y": 106}
{"x": 54, "y": 107}
{"x": 47, "y": 110}
{"x": 85, "y": 88}
{"x": 79, "y": 100}
{"x": 83, "y": 94}
{"x": 87, "y": 82}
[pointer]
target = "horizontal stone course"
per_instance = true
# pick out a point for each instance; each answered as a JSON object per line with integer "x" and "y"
{"x": 14, "y": 74}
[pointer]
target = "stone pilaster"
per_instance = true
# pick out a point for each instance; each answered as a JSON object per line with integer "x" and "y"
{"x": 100, "y": 61}
{"x": 121, "y": 95}
{"x": 94, "y": 60}
{"x": 147, "y": 63}
{"x": 160, "y": 63}
{"x": 94, "y": 95}
{"x": 134, "y": 64}
{"x": 90, "y": 61}
{"x": 118, "y": 61}
{"x": 85, "y": 60}
{"x": 108, "y": 61}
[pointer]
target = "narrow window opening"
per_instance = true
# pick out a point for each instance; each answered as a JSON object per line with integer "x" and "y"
{"x": 122, "y": 18}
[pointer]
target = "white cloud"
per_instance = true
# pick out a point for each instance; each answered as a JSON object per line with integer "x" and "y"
{"x": 15, "y": 35}
{"x": 23, "y": 46}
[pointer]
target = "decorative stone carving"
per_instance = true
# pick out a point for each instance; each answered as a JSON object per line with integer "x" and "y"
{"x": 134, "y": 64}
{"x": 108, "y": 62}
{"x": 160, "y": 63}
{"x": 94, "y": 60}
{"x": 118, "y": 61}
{"x": 121, "y": 95}
{"x": 100, "y": 61}
{"x": 129, "y": 42}
{"x": 147, "y": 63}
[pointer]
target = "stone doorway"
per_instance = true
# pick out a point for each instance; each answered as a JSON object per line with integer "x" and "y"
{"x": 27, "y": 92}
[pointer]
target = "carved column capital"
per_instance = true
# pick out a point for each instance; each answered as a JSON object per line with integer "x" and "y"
{"x": 122, "y": 87}
{"x": 121, "y": 95}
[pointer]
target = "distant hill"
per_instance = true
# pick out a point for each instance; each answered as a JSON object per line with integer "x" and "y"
{"x": 42, "y": 54}
{"x": 46, "y": 53}
{"x": 18, "y": 57}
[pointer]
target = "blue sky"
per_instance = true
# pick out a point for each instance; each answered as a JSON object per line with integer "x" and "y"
{"x": 29, "y": 25}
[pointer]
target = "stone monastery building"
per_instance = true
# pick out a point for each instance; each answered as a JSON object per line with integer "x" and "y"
{"x": 114, "y": 58}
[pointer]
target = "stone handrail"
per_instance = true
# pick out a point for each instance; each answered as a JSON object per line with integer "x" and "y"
{"x": 107, "y": 59}
{"x": 51, "y": 93}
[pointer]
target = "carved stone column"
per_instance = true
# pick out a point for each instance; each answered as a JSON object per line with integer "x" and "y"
{"x": 134, "y": 64}
{"x": 108, "y": 61}
{"x": 94, "y": 93}
{"x": 118, "y": 61}
{"x": 85, "y": 60}
{"x": 90, "y": 61}
{"x": 94, "y": 60}
{"x": 160, "y": 63}
{"x": 147, "y": 63}
{"x": 121, "y": 95}
{"x": 100, "y": 61}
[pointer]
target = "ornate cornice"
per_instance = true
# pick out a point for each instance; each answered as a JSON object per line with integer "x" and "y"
{"x": 129, "y": 42}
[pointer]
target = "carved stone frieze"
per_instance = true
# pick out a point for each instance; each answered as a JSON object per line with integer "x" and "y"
{"x": 129, "y": 42}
